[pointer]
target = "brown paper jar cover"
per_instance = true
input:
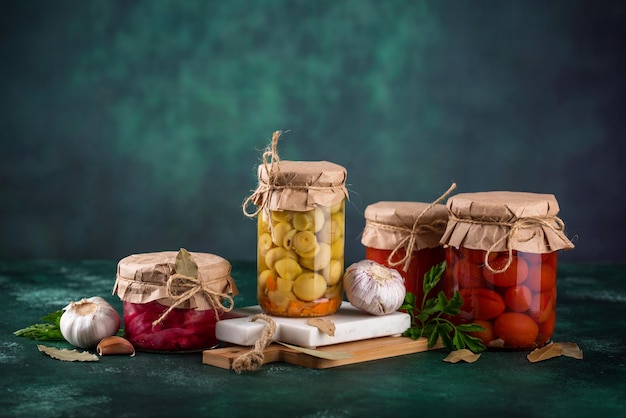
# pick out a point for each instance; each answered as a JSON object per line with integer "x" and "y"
{"x": 503, "y": 220}
{"x": 142, "y": 278}
{"x": 388, "y": 223}
{"x": 303, "y": 185}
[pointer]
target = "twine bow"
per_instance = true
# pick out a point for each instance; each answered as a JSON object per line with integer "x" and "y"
{"x": 409, "y": 240}
{"x": 271, "y": 162}
{"x": 190, "y": 286}
{"x": 512, "y": 234}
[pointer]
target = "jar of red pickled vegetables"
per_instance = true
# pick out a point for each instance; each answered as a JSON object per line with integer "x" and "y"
{"x": 172, "y": 301}
{"x": 300, "y": 230}
{"x": 405, "y": 236}
{"x": 502, "y": 257}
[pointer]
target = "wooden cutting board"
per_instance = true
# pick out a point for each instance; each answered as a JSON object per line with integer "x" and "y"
{"x": 360, "y": 351}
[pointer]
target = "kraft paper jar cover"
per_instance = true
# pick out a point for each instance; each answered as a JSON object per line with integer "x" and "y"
{"x": 494, "y": 221}
{"x": 387, "y": 223}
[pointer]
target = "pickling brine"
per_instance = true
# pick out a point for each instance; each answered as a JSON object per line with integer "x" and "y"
{"x": 300, "y": 259}
{"x": 517, "y": 307}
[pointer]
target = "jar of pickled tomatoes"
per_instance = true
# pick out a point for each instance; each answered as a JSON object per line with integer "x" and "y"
{"x": 172, "y": 301}
{"x": 501, "y": 256}
{"x": 300, "y": 229}
{"x": 405, "y": 236}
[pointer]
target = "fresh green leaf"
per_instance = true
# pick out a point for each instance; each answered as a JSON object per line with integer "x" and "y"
{"x": 413, "y": 332}
{"x": 470, "y": 328}
{"x": 44, "y": 332}
{"x": 432, "y": 318}
{"x": 433, "y": 337}
{"x": 432, "y": 277}
{"x": 446, "y": 340}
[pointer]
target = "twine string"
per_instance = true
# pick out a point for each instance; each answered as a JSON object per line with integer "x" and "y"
{"x": 179, "y": 282}
{"x": 271, "y": 163}
{"x": 253, "y": 359}
{"x": 409, "y": 240}
{"x": 553, "y": 223}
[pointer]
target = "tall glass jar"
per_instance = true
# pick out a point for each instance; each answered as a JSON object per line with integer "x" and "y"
{"x": 172, "y": 301}
{"x": 502, "y": 257}
{"x": 301, "y": 229}
{"x": 405, "y": 236}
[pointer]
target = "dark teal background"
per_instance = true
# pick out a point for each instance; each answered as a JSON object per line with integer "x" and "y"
{"x": 132, "y": 126}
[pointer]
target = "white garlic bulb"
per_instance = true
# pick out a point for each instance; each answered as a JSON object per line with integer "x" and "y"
{"x": 85, "y": 323}
{"x": 374, "y": 288}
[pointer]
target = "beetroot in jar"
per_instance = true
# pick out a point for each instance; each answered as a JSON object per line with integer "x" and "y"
{"x": 405, "y": 236}
{"x": 172, "y": 301}
{"x": 501, "y": 256}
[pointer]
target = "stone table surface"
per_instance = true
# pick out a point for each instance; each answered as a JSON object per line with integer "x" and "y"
{"x": 591, "y": 311}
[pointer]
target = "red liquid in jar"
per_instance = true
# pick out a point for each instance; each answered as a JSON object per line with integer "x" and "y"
{"x": 517, "y": 306}
{"x": 421, "y": 262}
{"x": 180, "y": 330}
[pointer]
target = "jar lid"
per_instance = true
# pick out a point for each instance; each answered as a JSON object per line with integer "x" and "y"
{"x": 143, "y": 278}
{"x": 389, "y": 224}
{"x": 499, "y": 221}
{"x": 302, "y": 185}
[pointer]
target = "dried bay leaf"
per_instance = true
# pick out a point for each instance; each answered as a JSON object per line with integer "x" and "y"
{"x": 571, "y": 350}
{"x": 67, "y": 355}
{"x": 461, "y": 355}
{"x": 324, "y": 325}
{"x": 544, "y": 353}
{"x": 185, "y": 264}
{"x": 552, "y": 350}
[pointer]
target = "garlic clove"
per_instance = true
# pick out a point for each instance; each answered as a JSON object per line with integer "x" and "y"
{"x": 115, "y": 345}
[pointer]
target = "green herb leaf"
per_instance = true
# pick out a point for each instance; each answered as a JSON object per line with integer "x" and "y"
{"x": 431, "y": 319}
{"x": 44, "y": 332}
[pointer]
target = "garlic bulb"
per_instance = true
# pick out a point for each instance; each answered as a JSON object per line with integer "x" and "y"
{"x": 85, "y": 323}
{"x": 374, "y": 288}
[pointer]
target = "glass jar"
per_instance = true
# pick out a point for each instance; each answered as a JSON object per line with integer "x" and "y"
{"x": 501, "y": 256}
{"x": 300, "y": 235}
{"x": 168, "y": 307}
{"x": 389, "y": 227}
{"x": 301, "y": 261}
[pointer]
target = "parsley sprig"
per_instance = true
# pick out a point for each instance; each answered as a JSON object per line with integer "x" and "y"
{"x": 430, "y": 318}
{"x": 50, "y": 331}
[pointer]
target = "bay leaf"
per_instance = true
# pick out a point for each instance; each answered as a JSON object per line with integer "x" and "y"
{"x": 571, "y": 350}
{"x": 324, "y": 325}
{"x": 185, "y": 264}
{"x": 328, "y": 355}
{"x": 461, "y": 355}
{"x": 544, "y": 353}
{"x": 67, "y": 355}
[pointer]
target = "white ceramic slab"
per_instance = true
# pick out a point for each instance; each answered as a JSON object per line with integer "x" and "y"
{"x": 351, "y": 324}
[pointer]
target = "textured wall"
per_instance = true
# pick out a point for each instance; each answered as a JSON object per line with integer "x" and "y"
{"x": 136, "y": 126}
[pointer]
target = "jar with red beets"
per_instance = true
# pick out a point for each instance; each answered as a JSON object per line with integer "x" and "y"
{"x": 501, "y": 256}
{"x": 405, "y": 236}
{"x": 172, "y": 301}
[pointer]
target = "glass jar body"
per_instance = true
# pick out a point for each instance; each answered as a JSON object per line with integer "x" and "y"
{"x": 517, "y": 307}
{"x": 421, "y": 262}
{"x": 181, "y": 330}
{"x": 300, "y": 261}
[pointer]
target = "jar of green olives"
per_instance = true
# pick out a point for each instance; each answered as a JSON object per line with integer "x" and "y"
{"x": 300, "y": 230}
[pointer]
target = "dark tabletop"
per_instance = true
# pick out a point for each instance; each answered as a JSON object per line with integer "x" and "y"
{"x": 591, "y": 311}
